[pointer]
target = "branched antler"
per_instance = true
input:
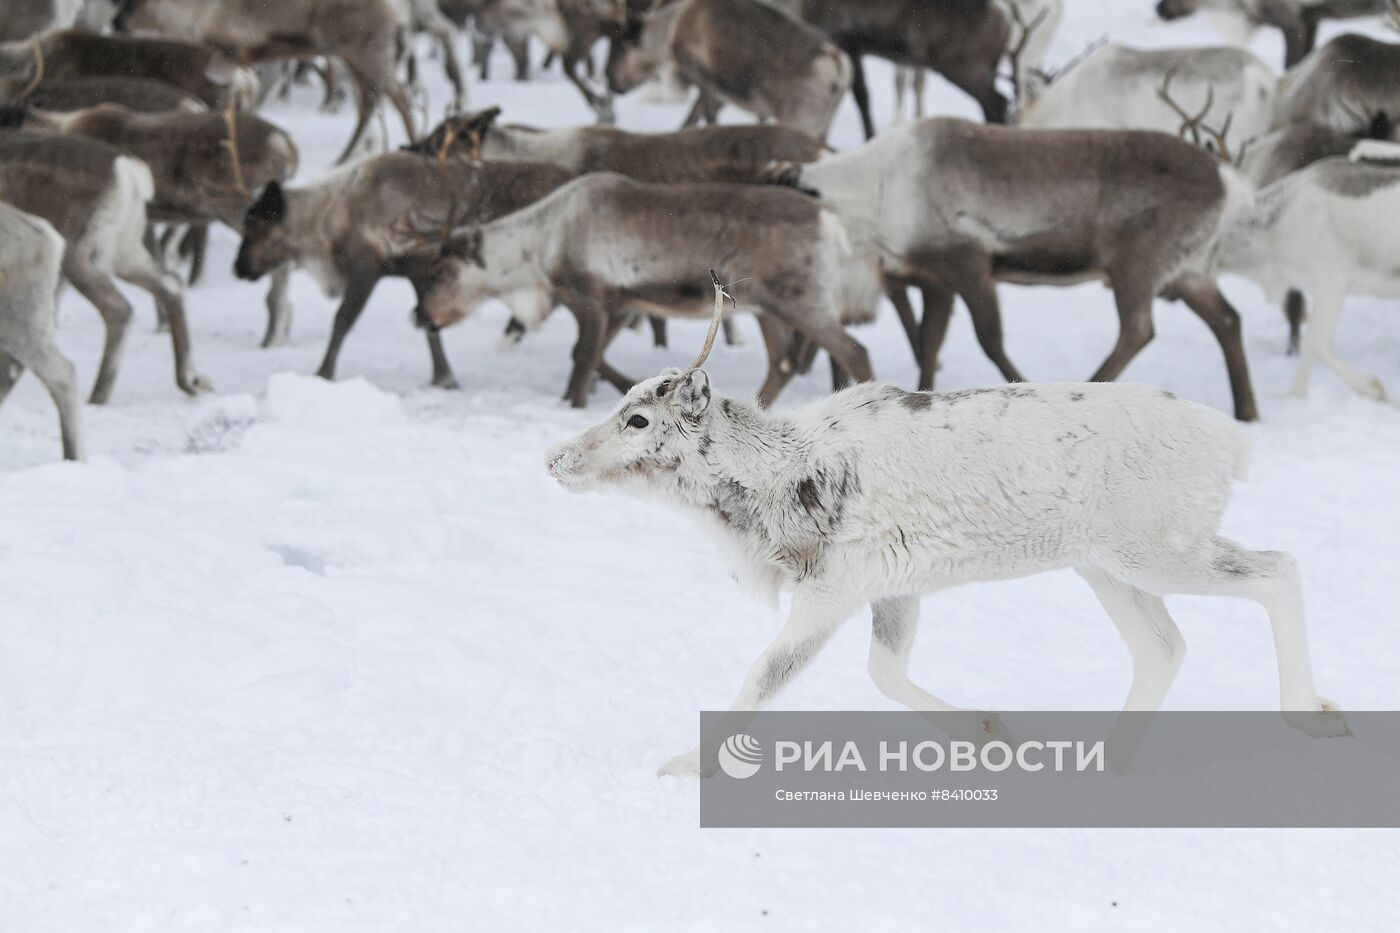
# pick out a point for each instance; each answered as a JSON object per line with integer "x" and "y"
{"x": 1221, "y": 141}
{"x": 1015, "y": 52}
{"x": 1190, "y": 124}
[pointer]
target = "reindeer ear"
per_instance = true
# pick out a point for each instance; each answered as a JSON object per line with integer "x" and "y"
{"x": 692, "y": 394}
{"x": 270, "y": 206}
{"x": 1380, "y": 125}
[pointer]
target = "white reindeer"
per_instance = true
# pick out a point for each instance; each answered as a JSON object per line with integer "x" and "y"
{"x": 1327, "y": 231}
{"x": 31, "y": 251}
{"x": 876, "y": 495}
{"x": 1118, "y": 87}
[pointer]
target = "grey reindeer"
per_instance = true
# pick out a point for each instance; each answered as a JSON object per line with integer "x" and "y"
{"x": 957, "y": 207}
{"x": 605, "y": 246}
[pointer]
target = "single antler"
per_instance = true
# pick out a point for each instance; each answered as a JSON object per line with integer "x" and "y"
{"x": 720, "y": 295}
{"x": 38, "y": 70}
{"x": 1015, "y": 52}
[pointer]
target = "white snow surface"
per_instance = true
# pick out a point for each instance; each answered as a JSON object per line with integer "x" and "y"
{"x": 340, "y": 656}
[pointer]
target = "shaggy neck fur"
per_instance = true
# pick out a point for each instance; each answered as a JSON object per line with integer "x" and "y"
{"x": 757, "y": 481}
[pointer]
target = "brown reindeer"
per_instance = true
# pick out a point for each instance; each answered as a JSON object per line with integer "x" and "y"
{"x": 207, "y": 167}
{"x": 197, "y": 70}
{"x": 702, "y": 154}
{"x": 367, "y": 222}
{"x": 68, "y": 94}
{"x": 362, "y": 34}
{"x": 745, "y": 52}
{"x": 963, "y": 40}
{"x": 95, "y": 196}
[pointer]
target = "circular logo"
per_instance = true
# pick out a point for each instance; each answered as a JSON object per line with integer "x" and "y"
{"x": 740, "y": 756}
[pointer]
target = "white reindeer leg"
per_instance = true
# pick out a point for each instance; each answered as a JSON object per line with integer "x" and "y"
{"x": 1220, "y": 567}
{"x": 814, "y": 615}
{"x": 1317, "y": 343}
{"x": 1157, "y": 648}
{"x": 893, "y": 623}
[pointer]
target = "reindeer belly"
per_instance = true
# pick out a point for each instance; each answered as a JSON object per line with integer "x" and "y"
{"x": 669, "y": 299}
{"x": 1046, "y": 258}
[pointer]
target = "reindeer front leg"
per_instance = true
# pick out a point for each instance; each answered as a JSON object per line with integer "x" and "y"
{"x": 815, "y": 614}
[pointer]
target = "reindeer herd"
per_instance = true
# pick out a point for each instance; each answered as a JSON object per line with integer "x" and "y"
{"x": 127, "y": 128}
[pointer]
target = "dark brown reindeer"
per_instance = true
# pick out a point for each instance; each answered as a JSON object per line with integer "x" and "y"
{"x": 957, "y": 207}
{"x": 746, "y": 52}
{"x": 197, "y": 70}
{"x": 362, "y": 34}
{"x": 963, "y": 40}
{"x": 361, "y": 224}
{"x": 95, "y": 196}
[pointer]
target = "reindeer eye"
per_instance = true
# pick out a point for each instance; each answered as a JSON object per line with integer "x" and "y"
{"x": 637, "y": 421}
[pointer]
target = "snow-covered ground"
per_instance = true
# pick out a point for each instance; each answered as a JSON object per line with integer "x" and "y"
{"x": 311, "y": 656}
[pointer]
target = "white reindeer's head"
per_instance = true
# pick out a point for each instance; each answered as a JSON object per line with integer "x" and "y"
{"x": 659, "y": 425}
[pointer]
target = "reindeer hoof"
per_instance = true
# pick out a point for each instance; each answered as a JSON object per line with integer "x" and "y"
{"x": 445, "y": 382}
{"x": 194, "y": 385}
{"x": 1323, "y": 721}
{"x": 682, "y": 766}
